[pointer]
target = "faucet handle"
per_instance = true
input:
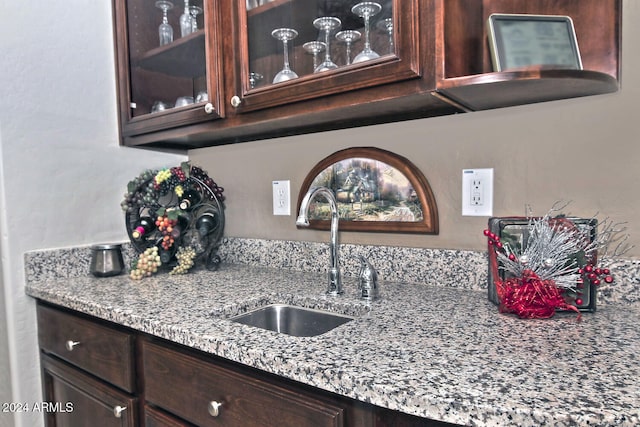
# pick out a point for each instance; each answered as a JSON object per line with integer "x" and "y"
{"x": 367, "y": 280}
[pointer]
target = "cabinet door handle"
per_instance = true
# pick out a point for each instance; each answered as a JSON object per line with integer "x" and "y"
{"x": 117, "y": 411}
{"x": 208, "y": 108}
{"x": 214, "y": 408}
{"x": 71, "y": 344}
{"x": 235, "y": 101}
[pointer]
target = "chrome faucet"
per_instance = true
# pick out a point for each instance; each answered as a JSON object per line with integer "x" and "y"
{"x": 335, "y": 283}
{"x": 367, "y": 280}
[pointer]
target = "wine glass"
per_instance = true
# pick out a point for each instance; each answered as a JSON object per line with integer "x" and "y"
{"x": 314, "y": 48}
{"x": 387, "y": 26}
{"x": 165, "y": 32}
{"x": 366, "y": 10}
{"x": 348, "y": 37}
{"x": 194, "y": 11}
{"x": 284, "y": 35}
{"x": 326, "y": 24}
{"x": 254, "y": 79}
{"x": 185, "y": 20}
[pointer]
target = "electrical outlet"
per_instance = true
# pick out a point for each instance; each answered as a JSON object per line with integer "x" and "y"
{"x": 281, "y": 198}
{"x": 477, "y": 192}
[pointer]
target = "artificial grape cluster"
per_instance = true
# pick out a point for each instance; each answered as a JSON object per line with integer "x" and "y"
{"x": 162, "y": 182}
{"x": 138, "y": 192}
{"x": 147, "y": 264}
{"x": 179, "y": 190}
{"x": 178, "y": 172}
{"x": 167, "y": 179}
{"x": 186, "y": 259}
{"x": 165, "y": 226}
{"x": 204, "y": 177}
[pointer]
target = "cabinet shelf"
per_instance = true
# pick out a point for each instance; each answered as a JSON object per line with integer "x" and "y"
{"x": 510, "y": 88}
{"x": 182, "y": 58}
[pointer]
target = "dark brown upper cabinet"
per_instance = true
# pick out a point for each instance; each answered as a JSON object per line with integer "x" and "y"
{"x": 433, "y": 59}
{"x": 166, "y": 83}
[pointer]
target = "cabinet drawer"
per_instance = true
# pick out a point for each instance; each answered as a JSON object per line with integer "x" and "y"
{"x": 99, "y": 350}
{"x": 187, "y": 386}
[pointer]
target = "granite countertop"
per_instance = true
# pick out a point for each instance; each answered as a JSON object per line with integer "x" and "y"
{"x": 436, "y": 352}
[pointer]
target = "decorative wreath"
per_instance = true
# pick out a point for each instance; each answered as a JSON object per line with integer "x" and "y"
{"x": 174, "y": 217}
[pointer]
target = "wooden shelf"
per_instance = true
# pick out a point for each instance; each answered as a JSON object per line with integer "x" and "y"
{"x": 510, "y": 88}
{"x": 185, "y": 57}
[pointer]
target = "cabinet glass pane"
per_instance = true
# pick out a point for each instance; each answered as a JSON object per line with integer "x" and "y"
{"x": 290, "y": 39}
{"x": 166, "y": 54}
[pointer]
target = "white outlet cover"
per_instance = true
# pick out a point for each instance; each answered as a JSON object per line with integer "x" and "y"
{"x": 281, "y": 198}
{"x": 477, "y": 192}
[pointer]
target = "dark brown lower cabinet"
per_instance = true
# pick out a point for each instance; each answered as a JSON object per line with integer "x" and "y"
{"x": 209, "y": 394}
{"x": 156, "y": 418}
{"x": 100, "y": 374}
{"x": 75, "y": 399}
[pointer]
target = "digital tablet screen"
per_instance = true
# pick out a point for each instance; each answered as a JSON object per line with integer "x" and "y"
{"x": 519, "y": 41}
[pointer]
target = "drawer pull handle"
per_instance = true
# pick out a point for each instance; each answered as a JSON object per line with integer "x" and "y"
{"x": 71, "y": 344}
{"x": 208, "y": 108}
{"x": 117, "y": 411}
{"x": 214, "y": 408}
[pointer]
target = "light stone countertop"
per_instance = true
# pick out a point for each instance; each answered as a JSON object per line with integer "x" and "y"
{"x": 434, "y": 351}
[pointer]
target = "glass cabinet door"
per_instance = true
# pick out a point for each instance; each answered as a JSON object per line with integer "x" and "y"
{"x": 301, "y": 49}
{"x": 163, "y": 63}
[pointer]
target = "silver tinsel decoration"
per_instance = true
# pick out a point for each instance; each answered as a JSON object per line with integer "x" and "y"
{"x": 553, "y": 243}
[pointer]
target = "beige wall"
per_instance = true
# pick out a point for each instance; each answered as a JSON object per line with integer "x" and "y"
{"x": 586, "y": 150}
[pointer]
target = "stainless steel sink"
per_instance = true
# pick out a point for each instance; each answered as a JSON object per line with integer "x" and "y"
{"x": 292, "y": 320}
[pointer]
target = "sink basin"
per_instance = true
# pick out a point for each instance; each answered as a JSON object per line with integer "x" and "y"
{"x": 292, "y": 320}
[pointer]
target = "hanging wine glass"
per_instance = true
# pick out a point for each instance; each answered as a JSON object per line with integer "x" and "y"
{"x": 326, "y": 24}
{"x": 165, "y": 31}
{"x": 194, "y": 11}
{"x": 185, "y": 20}
{"x": 366, "y": 10}
{"x": 314, "y": 48}
{"x": 284, "y": 35}
{"x": 386, "y": 25}
{"x": 348, "y": 37}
